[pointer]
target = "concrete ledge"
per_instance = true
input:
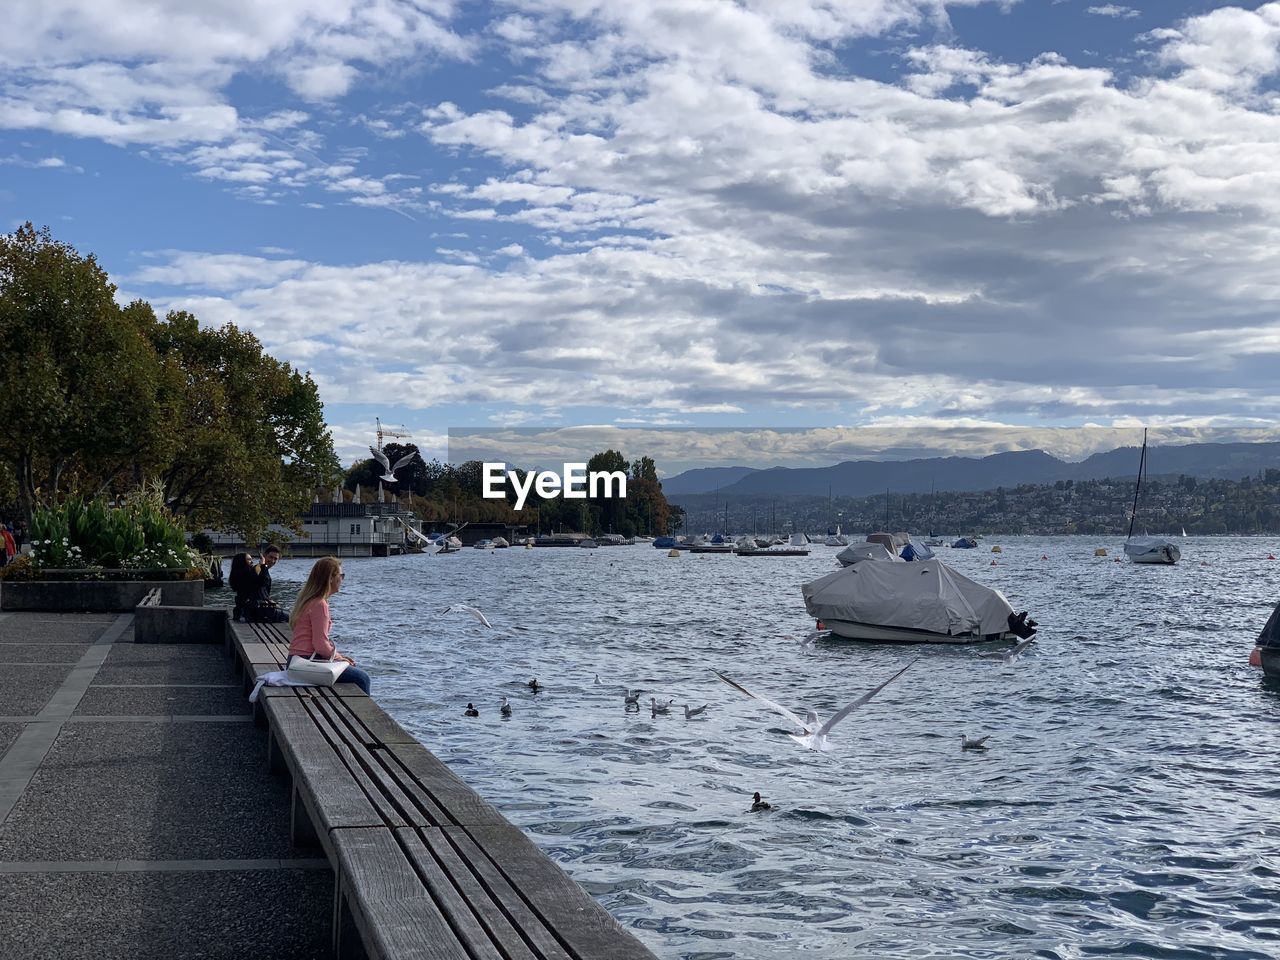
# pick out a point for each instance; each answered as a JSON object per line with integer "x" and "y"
{"x": 173, "y": 624}
{"x": 120, "y": 596}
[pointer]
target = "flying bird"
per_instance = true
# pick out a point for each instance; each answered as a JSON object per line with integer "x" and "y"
{"x": 389, "y": 473}
{"x": 1009, "y": 657}
{"x": 811, "y": 738}
{"x": 806, "y": 642}
{"x": 467, "y": 608}
{"x": 978, "y": 743}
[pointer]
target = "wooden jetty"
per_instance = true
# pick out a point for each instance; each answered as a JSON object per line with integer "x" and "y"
{"x": 310, "y": 824}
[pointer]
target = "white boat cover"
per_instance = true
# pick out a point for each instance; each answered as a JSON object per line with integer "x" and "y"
{"x": 1152, "y": 547}
{"x": 857, "y": 552}
{"x": 918, "y": 596}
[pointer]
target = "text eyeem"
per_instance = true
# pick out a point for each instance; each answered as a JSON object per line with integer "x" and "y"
{"x": 574, "y": 483}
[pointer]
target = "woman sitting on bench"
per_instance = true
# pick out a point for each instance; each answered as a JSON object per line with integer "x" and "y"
{"x": 311, "y": 622}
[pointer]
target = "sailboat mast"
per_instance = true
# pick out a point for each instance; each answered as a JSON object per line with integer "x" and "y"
{"x": 1142, "y": 464}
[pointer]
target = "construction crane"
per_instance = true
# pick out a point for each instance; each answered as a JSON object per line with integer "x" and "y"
{"x": 401, "y": 434}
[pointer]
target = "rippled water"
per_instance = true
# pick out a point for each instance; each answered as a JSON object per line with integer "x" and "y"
{"x": 1127, "y": 806}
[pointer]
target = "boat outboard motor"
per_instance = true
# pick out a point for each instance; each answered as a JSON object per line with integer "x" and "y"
{"x": 1020, "y": 626}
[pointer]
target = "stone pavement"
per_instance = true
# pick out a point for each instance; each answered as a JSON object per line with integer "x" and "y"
{"x": 137, "y": 818}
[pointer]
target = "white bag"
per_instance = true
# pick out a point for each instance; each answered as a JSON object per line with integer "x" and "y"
{"x": 315, "y": 673}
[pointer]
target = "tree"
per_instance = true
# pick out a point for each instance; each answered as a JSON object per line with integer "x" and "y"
{"x": 81, "y": 387}
{"x": 251, "y": 443}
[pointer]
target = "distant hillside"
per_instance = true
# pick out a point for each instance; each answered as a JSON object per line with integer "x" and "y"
{"x": 863, "y": 478}
{"x": 704, "y": 479}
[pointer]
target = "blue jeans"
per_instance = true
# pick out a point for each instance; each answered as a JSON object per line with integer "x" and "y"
{"x": 357, "y": 676}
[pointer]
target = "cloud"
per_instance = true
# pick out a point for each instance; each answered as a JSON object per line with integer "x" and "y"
{"x": 1114, "y": 10}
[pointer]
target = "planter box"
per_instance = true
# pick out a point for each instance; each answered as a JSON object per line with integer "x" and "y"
{"x": 96, "y": 596}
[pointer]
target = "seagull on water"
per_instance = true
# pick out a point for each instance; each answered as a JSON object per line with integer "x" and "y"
{"x": 690, "y": 713}
{"x": 1009, "y": 657}
{"x": 757, "y": 804}
{"x": 471, "y": 711}
{"x": 631, "y": 698}
{"x": 505, "y": 709}
{"x": 658, "y": 708}
{"x": 389, "y": 473}
{"x": 535, "y": 686}
{"x": 815, "y": 737}
{"x": 970, "y": 743}
{"x": 467, "y": 608}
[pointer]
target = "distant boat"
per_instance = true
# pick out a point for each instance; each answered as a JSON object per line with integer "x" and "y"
{"x": 589, "y": 544}
{"x": 1147, "y": 549}
{"x": 485, "y": 544}
{"x": 965, "y": 543}
{"x": 664, "y": 543}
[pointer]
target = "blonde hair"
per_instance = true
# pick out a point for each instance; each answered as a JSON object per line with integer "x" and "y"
{"x": 319, "y": 585}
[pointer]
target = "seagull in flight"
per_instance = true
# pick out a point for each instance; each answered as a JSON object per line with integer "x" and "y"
{"x": 816, "y": 737}
{"x": 389, "y": 472}
{"x": 973, "y": 743}
{"x": 806, "y": 642}
{"x": 466, "y": 608}
{"x": 1009, "y": 657}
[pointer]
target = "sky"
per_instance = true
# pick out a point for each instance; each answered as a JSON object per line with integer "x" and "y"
{"x": 897, "y": 218}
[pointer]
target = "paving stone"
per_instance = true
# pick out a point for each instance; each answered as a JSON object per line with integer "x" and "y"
{"x": 31, "y": 628}
{"x": 67, "y": 653}
{"x": 151, "y": 791}
{"x": 281, "y": 914}
{"x": 160, "y": 663}
{"x": 25, "y": 690}
{"x": 153, "y": 701}
{"x": 9, "y": 732}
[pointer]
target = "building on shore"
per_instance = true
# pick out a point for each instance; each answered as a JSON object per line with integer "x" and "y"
{"x": 337, "y": 528}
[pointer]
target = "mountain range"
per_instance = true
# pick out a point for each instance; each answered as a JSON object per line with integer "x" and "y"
{"x": 862, "y": 478}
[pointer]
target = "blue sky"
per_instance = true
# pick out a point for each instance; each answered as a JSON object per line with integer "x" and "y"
{"x": 882, "y": 215}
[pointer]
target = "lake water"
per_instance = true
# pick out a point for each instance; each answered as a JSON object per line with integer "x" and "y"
{"x": 1128, "y": 804}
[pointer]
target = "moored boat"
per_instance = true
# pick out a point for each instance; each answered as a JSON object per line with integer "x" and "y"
{"x": 926, "y": 602}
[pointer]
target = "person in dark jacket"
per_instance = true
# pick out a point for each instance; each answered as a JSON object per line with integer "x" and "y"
{"x": 263, "y": 608}
{"x": 244, "y": 581}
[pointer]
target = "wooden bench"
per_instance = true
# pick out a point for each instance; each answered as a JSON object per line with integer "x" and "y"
{"x": 424, "y": 867}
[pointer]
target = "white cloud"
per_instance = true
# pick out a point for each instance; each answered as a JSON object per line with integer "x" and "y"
{"x": 1114, "y": 10}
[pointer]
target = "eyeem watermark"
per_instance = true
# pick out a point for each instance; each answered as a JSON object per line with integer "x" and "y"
{"x": 574, "y": 483}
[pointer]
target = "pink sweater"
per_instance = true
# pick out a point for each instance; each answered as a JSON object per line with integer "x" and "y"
{"x": 311, "y": 632}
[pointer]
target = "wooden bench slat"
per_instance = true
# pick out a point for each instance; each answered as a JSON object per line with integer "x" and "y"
{"x": 317, "y": 769}
{"x": 462, "y": 912}
{"x": 509, "y": 918}
{"x": 458, "y": 801}
{"x": 355, "y": 770}
{"x": 370, "y": 767}
{"x": 377, "y": 726}
{"x": 393, "y": 912}
{"x": 577, "y": 920}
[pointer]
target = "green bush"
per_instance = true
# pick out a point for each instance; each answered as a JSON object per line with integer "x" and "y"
{"x": 140, "y": 534}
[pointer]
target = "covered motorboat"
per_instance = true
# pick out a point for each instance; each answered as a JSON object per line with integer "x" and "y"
{"x": 857, "y": 552}
{"x": 1152, "y": 550}
{"x": 1269, "y": 645}
{"x": 925, "y": 602}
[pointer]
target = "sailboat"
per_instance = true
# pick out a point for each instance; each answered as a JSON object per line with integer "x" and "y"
{"x": 1146, "y": 549}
